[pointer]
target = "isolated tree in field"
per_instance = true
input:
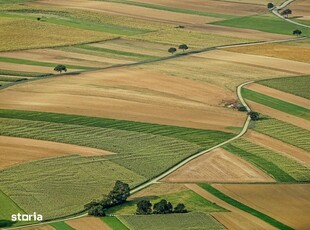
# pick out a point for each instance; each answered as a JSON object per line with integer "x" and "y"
{"x": 172, "y": 50}
{"x": 286, "y": 12}
{"x": 144, "y": 207}
{"x": 297, "y": 32}
{"x": 254, "y": 115}
{"x": 180, "y": 208}
{"x": 183, "y": 47}
{"x": 60, "y": 68}
{"x": 162, "y": 207}
{"x": 270, "y": 5}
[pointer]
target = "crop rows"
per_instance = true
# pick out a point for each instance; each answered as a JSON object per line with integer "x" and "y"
{"x": 197, "y": 221}
{"x": 285, "y": 132}
{"x": 283, "y": 169}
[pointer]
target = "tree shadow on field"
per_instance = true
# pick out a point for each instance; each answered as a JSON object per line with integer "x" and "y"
{"x": 6, "y": 223}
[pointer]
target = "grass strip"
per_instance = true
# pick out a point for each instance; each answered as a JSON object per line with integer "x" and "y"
{"x": 61, "y": 226}
{"x": 114, "y": 223}
{"x": 171, "y": 9}
{"x": 22, "y": 74}
{"x": 38, "y": 63}
{"x": 12, "y": 79}
{"x": 119, "y": 52}
{"x": 275, "y": 103}
{"x": 244, "y": 207}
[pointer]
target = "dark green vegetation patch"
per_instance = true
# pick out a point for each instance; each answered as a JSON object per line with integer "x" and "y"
{"x": 61, "y": 226}
{"x": 114, "y": 223}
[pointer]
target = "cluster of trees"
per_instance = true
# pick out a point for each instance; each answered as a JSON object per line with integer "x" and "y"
{"x": 144, "y": 207}
{"x": 183, "y": 47}
{"x": 254, "y": 115}
{"x": 118, "y": 195}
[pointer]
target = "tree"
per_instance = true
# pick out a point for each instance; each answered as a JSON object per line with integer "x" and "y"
{"x": 286, "y": 12}
{"x": 91, "y": 204}
{"x": 180, "y": 208}
{"x": 60, "y": 68}
{"x": 254, "y": 115}
{"x": 270, "y": 5}
{"x": 118, "y": 195}
{"x": 297, "y": 32}
{"x": 144, "y": 207}
{"x": 97, "y": 210}
{"x": 162, "y": 207}
{"x": 183, "y": 47}
{"x": 172, "y": 50}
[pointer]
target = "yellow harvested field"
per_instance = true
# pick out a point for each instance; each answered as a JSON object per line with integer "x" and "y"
{"x": 291, "y": 151}
{"x": 130, "y": 11}
{"x": 88, "y": 223}
{"x": 223, "y": 7}
{"x": 236, "y": 218}
{"x": 19, "y": 33}
{"x": 226, "y": 74}
{"x": 284, "y": 51}
{"x": 19, "y": 150}
{"x": 129, "y": 94}
{"x": 302, "y": 123}
{"x": 303, "y": 102}
{"x": 218, "y": 166}
{"x": 258, "y": 61}
{"x": 287, "y": 203}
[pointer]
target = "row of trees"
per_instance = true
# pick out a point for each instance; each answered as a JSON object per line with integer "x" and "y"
{"x": 144, "y": 207}
{"x": 183, "y": 47}
{"x": 118, "y": 195}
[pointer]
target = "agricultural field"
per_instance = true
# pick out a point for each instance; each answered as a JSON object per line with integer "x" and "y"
{"x": 172, "y": 221}
{"x": 88, "y": 223}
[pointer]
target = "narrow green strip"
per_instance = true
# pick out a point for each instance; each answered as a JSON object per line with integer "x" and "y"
{"x": 22, "y": 74}
{"x": 275, "y": 103}
{"x": 114, "y": 223}
{"x": 244, "y": 207}
{"x": 61, "y": 226}
{"x": 38, "y": 63}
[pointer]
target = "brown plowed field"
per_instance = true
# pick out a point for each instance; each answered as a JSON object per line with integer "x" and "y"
{"x": 283, "y": 51}
{"x": 18, "y": 150}
{"x": 258, "y": 61}
{"x": 287, "y": 203}
{"x": 88, "y": 223}
{"x": 302, "y": 123}
{"x": 130, "y": 11}
{"x": 218, "y": 166}
{"x": 289, "y": 150}
{"x": 129, "y": 94}
{"x": 303, "y": 102}
{"x": 236, "y": 219}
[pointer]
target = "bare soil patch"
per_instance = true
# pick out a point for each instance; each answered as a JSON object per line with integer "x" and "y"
{"x": 289, "y": 150}
{"x": 302, "y": 123}
{"x": 236, "y": 219}
{"x": 287, "y": 203}
{"x": 88, "y": 223}
{"x": 19, "y": 150}
{"x": 303, "y": 102}
{"x": 218, "y": 166}
{"x": 128, "y": 94}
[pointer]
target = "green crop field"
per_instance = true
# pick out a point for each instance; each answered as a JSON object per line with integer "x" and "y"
{"x": 157, "y": 146}
{"x": 114, "y": 223}
{"x": 192, "y": 201}
{"x": 276, "y": 104}
{"x": 285, "y": 132}
{"x": 282, "y": 168}
{"x": 294, "y": 85}
{"x": 72, "y": 181}
{"x": 244, "y": 207}
{"x": 267, "y": 23}
{"x": 197, "y": 221}
{"x": 12, "y": 78}
{"x": 61, "y": 226}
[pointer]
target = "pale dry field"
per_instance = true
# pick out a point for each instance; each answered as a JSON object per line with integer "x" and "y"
{"x": 302, "y": 123}
{"x": 271, "y": 92}
{"x": 236, "y": 218}
{"x": 257, "y": 2}
{"x": 29, "y": 68}
{"x": 88, "y": 223}
{"x": 284, "y": 51}
{"x": 287, "y": 203}
{"x": 288, "y": 150}
{"x": 218, "y": 166}
{"x": 19, "y": 150}
{"x": 129, "y": 94}
{"x": 301, "y": 9}
{"x": 225, "y": 7}
{"x": 130, "y": 11}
